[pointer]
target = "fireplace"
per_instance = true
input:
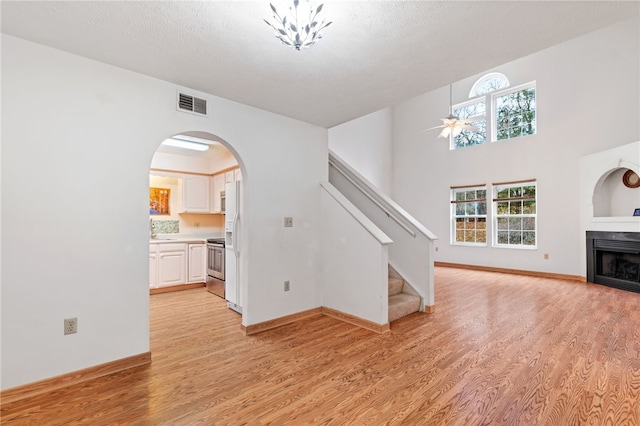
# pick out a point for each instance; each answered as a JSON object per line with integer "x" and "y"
{"x": 613, "y": 259}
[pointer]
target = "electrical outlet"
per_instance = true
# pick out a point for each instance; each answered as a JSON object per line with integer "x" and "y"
{"x": 546, "y": 256}
{"x": 287, "y": 285}
{"x": 288, "y": 222}
{"x": 196, "y": 224}
{"x": 70, "y": 326}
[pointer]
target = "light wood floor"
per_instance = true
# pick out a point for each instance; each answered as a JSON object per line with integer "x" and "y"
{"x": 499, "y": 350}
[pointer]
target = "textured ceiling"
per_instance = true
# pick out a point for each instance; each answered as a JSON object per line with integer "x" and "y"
{"x": 375, "y": 53}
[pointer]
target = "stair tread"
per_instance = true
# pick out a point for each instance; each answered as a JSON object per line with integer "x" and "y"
{"x": 403, "y": 297}
{"x": 402, "y": 304}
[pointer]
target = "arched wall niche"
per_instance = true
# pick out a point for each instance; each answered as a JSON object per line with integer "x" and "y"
{"x": 611, "y": 198}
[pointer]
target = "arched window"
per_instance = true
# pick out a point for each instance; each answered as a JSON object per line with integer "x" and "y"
{"x": 511, "y": 111}
{"x": 489, "y": 83}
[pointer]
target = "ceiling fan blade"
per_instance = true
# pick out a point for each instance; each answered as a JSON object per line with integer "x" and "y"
{"x": 472, "y": 119}
{"x": 432, "y": 128}
{"x": 469, "y": 127}
{"x": 445, "y": 132}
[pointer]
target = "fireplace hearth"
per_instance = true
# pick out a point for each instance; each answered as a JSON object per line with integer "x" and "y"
{"x": 613, "y": 259}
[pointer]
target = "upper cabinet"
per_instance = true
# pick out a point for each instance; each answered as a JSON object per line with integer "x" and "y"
{"x": 195, "y": 194}
{"x": 200, "y": 194}
{"x": 218, "y": 183}
{"x": 217, "y": 188}
{"x": 229, "y": 177}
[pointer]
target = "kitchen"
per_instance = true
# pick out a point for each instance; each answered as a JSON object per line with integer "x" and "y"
{"x": 193, "y": 217}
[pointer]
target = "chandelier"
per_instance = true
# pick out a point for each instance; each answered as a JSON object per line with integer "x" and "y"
{"x": 300, "y": 27}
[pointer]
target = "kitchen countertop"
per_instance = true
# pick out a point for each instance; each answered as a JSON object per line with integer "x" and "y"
{"x": 177, "y": 239}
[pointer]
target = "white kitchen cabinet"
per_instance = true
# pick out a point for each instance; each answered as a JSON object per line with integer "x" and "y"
{"x": 237, "y": 174}
{"x": 196, "y": 271}
{"x": 153, "y": 265}
{"x": 172, "y": 264}
{"x": 229, "y": 177}
{"x": 217, "y": 186}
{"x": 195, "y": 194}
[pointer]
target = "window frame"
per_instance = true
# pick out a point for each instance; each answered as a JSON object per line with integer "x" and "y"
{"x": 498, "y": 187}
{"x": 454, "y": 216}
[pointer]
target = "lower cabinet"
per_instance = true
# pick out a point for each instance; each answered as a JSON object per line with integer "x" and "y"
{"x": 197, "y": 268}
{"x": 172, "y": 266}
{"x": 176, "y": 263}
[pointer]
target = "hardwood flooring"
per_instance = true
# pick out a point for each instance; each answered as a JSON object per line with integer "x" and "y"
{"x": 499, "y": 350}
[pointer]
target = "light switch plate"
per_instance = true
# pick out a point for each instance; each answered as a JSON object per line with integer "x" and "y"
{"x": 288, "y": 222}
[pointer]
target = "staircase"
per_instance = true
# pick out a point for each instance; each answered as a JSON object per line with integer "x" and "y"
{"x": 402, "y": 301}
{"x": 389, "y": 235}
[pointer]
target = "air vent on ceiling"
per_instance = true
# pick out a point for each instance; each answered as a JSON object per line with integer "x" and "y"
{"x": 192, "y": 104}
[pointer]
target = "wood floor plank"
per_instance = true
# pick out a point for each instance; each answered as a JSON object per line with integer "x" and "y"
{"x": 499, "y": 350}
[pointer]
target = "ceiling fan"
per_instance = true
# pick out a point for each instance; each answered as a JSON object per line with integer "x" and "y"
{"x": 453, "y": 125}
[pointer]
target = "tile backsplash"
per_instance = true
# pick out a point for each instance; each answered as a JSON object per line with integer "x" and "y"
{"x": 166, "y": 226}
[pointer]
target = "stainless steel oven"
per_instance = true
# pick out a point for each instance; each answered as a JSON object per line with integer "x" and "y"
{"x": 215, "y": 266}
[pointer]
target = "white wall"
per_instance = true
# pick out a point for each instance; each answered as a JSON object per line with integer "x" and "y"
{"x": 78, "y": 137}
{"x": 586, "y": 88}
{"x": 365, "y": 144}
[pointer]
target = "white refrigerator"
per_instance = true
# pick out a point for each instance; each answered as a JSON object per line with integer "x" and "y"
{"x": 232, "y": 246}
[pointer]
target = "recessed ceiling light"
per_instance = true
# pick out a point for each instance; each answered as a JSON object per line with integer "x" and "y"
{"x": 182, "y": 142}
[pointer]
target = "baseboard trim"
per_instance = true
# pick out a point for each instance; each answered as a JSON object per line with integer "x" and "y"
{"x": 513, "y": 271}
{"x": 274, "y": 323}
{"x": 353, "y": 320}
{"x": 288, "y": 319}
{"x": 30, "y": 390}
{"x": 180, "y": 287}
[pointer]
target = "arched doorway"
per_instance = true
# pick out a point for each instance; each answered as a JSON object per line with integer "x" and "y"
{"x": 196, "y": 187}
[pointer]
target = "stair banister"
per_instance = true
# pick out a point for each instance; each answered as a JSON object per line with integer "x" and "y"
{"x": 373, "y": 200}
{"x": 381, "y": 200}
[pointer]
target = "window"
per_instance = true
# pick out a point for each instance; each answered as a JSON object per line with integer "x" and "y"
{"x": 489, "y": 83}
{"x": 511, "y": 111}
{"x": 469, "y": 213}
{"x": 514, "y": 214}
{"x": 515, "y": 113}
{"x": 477, "y": 110}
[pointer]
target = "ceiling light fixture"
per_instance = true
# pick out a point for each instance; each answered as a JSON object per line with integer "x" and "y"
{"x": 298, "y": 29}
{"x": 177, "y": 142}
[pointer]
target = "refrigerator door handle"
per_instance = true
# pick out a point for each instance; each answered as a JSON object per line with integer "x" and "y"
{"x": 236, "y": 240}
